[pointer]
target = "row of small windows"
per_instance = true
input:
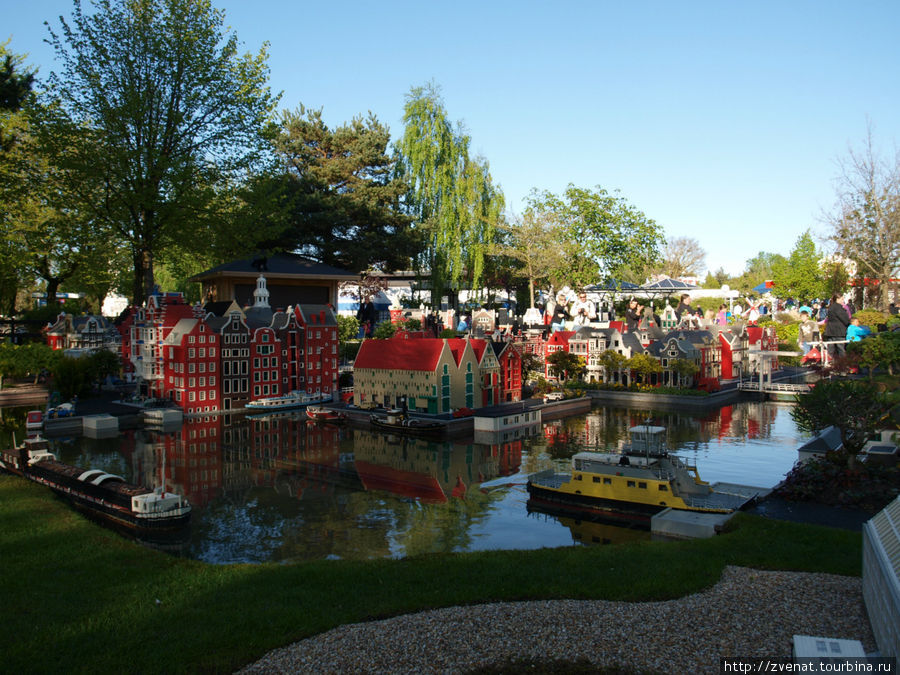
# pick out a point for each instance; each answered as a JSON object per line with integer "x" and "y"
{"x": 641, "y": 485}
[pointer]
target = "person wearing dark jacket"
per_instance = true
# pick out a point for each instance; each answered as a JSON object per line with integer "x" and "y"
{"x": 836, "y": 321}
{"x": 367, "y": 316}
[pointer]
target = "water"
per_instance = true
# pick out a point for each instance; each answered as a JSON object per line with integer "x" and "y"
{"x": 286, "y": 489}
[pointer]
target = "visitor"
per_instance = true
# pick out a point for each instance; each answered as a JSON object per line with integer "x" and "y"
{"x": 583, "y": 310}
{"x": 722, "y": 316}
{"x": 633, "y": 315}
{"x": 560, "y": 313}
{"x": 856, "y": 331}
{"x": 836, "y": 322}
{"x": 366, "y": 315}
{"x": 684, "y": 305}
{"x": 807, "y": 332}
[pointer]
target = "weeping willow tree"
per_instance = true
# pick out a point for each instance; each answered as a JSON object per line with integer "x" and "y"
{"x": 452, "y": 197}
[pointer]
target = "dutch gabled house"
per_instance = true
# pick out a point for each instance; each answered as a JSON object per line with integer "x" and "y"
{"x": 510, "y": 359}
{"x": 191, "y": 366}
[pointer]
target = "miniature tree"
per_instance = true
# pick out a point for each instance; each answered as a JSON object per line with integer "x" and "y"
{"x": 612, "y": 362}
{"x": 856, "y": 408}
{"x": 643, "y": 366}
{"x": 565, "y": 365}
{"x": 685, "y": 369}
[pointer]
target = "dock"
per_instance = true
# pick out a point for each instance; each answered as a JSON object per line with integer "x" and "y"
{"x": 680, "y": 524}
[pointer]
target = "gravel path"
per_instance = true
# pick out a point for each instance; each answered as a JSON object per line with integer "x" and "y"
{"x": 748, "y": 613}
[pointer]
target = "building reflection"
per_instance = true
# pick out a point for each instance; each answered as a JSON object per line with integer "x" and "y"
{"x": 225, "y": 455}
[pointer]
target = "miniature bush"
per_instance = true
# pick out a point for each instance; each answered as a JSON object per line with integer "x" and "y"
{"x": 384, "y": 331}
{"x": 871, "y": 318}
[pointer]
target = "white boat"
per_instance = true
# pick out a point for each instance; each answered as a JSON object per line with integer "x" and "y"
{"x": 294, "y": 399}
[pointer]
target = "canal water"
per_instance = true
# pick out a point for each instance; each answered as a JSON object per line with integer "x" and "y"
{"x": 286, "y": 489}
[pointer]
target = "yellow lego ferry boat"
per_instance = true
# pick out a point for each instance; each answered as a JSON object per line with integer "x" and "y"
{"x": 632, "y": 484}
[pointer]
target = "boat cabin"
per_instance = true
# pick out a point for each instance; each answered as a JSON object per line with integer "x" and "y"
{"x": 647, "y": 440}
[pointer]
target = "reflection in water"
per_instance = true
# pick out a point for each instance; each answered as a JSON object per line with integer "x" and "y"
{"x": 282, "y": 488}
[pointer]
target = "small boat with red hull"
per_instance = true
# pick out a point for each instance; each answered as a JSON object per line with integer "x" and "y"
{"x": 97, "y": 492}
{"x": 322, "y": 414}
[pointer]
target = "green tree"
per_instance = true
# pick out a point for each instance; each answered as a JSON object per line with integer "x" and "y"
{"x": 643, "y": 366}
{"x": 881, "y": 350}
{"x": 685, "y": 369}
{"x": 800, "y": 275}
{"x": 854, "y": 407}
{"x": 343, "y": 193}
{"x": 384, "y": 331}
{"x": 535, "y": 241}
{"x": 608, "y": 234}
{"x": 15, "y": 92}
{"x": 452, "y": 197}
{"x": 612, "y": 362}
{"x": 156, "y": 111}
{"x": 348, "y": 328}
{"x": 565, "y": 365}
{"x": 759, "y": 268}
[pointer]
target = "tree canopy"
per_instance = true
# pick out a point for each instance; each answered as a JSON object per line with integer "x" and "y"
{"x": 452, "y": 197}
{"x": 800, "y": 275}
{"x": 156, "y": 117}
{"x": 866, "y": 218}
{"x": 605, "y": 233}
{"x": 682, "y": 256}
{"x": 342, "y": 193}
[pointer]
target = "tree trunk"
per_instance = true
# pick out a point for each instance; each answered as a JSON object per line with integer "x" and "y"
{"x": 52, "y": 288}
{"x": 149, "y": 284}
{"x": 137, "y": 280}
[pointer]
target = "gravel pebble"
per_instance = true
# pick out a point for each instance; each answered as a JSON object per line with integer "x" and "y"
{"x": 748, "y": 613}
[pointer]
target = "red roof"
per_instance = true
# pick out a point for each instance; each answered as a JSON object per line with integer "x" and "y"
{"x": 560, "y": 337}
{"x": 400, "y": 354}
{"x": 479, "y": 346}
{"x": 457, "y": 348}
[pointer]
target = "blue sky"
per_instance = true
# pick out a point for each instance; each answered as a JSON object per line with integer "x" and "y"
{"x": 722, "y": 121}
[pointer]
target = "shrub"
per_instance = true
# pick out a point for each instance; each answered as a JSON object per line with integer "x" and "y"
{"x": 871, "y": 318}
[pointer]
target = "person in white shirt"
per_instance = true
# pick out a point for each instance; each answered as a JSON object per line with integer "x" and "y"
{"x": 583, "y": 310}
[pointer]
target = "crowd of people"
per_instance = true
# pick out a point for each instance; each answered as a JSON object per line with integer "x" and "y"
{"x": 831, "y": 322}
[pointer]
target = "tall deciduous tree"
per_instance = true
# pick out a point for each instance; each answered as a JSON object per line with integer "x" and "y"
{"x": 607, "y": 233}
{"x": 682, "y": 256}
{"x": 15, "y": 91}
{"x": 760, "y": 268}
{"x": 800, "y": 275}
{"x": 866, "y": 218}
{"x": 535, "y": 240}
{"x": 452, "y": 197}
{"x": 343, "y": 194}
{"x": 159, "y": 115}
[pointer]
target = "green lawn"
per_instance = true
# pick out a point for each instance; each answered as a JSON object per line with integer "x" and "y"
{"x": 77, "y": 597}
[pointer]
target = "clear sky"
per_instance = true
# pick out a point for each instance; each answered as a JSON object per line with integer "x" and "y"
{"x": 722, "y": 121}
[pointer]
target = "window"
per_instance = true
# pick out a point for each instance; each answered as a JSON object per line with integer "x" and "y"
{"x": 642, "y": 485}
{"x": 663, "y": 487}
{"x": 631, "y": 483}
{"x": 607, "y": 481}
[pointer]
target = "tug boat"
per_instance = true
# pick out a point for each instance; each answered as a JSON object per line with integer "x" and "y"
{"x": 321, "y": 414}
{"x": 632, "y": 484}
{"x": 97, "y": 492}
{"x": 398, "y": 421}
{"x": 294, "y": 399}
